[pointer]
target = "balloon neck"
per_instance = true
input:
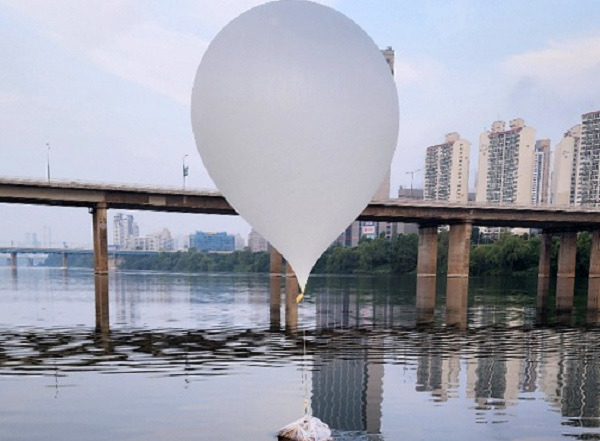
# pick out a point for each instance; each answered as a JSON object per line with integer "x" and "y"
{"x": 300, "y": 297}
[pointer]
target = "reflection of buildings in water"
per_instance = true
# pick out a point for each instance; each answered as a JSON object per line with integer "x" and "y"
{"x": 347, "y": 392}
{"x": 126, "y": 303}
{"x": 348, "y": 387}
{"x": 437, "y": 373}
{"x": 499, "y": 368}
{"x": 570, "y": 378}
{"x": 349, "y": 307}
{"x": 494, "y": 378}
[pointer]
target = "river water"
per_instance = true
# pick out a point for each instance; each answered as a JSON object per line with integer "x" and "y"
{"x": 223, "y": 357}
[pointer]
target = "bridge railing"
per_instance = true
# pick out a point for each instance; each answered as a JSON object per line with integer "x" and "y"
{"x": 119, "y": 186}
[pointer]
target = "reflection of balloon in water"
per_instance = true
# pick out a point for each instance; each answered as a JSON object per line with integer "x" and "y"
{"x": 295, "y": 115}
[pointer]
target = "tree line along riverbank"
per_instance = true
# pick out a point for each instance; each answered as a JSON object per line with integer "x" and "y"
{"x": 510, "y": 254}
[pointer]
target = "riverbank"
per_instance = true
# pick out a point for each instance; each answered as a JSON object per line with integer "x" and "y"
{"x": 509, "y": 255}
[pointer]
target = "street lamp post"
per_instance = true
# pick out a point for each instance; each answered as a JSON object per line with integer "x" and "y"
{"x": 48, "y": 161}
{"x": 185, "y": 170}
{"x": 412, "y": 176}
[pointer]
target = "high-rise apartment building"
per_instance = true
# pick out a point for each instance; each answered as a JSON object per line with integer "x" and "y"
{"x": 124, "y": 229}
{"x": 588, "y": 175}
{"x": 447, "y": 170}
{"x": 506, "y": 163}
{"x": 566, "y": 167}
{"x": 540, "y": 173}
{"x": 257, "y": 243}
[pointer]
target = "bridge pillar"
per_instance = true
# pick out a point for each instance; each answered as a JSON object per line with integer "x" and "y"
{"x": 544, "y": 270}
{"x": 275, "y": 260}
{"x": 101, "y": 291}
{"x": 64, "y": 260}
{"x": 100, "y": 239}
{"x": 427, "y": 257}
{"x": 565, "y": 282}
{"x": 13, "y": 261}
{"x": 459, "y": 247}
{"x": 545, "y": 253}
{"x": 426, "y": 268}
{"x": 275, "y": 302}
{"x": 291, "y": 305}
{"x": 593, "y": 302}
{"x": 457, "y": 288}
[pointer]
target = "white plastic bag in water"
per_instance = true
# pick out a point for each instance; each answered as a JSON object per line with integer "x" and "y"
{"x": 307, "y": 428}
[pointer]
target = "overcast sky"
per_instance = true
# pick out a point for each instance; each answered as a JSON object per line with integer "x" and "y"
{"x": 108, "y": 83}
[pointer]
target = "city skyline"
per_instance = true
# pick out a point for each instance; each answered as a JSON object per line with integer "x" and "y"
{"x": 107, "y": 88}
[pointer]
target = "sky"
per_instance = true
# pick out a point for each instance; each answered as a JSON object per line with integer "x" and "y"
{"x": 107, "y": 84}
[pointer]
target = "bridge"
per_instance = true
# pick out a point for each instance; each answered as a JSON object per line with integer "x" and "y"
{"x": 562, "y": 221}
{"x": 65, "y": 252}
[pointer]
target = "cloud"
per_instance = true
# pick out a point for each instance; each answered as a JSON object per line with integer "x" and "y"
{"x": 423, "y": 71}
{"x": 569, "y": 68}
{"x": 119, "y": 39}
{"x": 127, "y": 41}
{"x": 159, "y": 59}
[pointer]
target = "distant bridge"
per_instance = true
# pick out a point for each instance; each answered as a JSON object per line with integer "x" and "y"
{"x": 65, "y": 252}
{"x": 37, "y": 250}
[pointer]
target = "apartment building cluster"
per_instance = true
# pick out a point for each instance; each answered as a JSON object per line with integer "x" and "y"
{"x": 126, "y": 236}
{"x": 515, "y": 168}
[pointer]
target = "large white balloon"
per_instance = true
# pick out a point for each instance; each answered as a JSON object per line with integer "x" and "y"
{"x": 295, "y": 115}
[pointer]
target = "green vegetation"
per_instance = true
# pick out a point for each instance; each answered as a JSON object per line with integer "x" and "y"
{"x": 73, "y": 260}
{"x": 509, "y": 255}
{"x": 198, "y": 262}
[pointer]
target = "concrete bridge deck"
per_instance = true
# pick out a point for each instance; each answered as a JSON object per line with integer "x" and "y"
{"x": 79, "y": 194}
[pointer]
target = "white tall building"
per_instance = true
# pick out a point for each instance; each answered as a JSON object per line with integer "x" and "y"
{"x": 160, "y": 241}
{"x": 540, "y": 173}
{"x": 240, "y": 243}
{"x": 447, "y": 170}
{"x": 256, "y": 242}
{"x": 506, "y": 164}
{"x": 124, "y": 230}
{"x": 566, "y": 166}
{"x": 588, "y": 173}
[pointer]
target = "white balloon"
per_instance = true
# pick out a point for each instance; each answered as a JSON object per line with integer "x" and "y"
{"x": 295, "y": 115}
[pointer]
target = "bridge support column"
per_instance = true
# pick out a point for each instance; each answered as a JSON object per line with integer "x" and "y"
{"x": 275, "y": 260}
{"x": 64, "y": 261}
{"x": 291, "y": 305}
{"x": 565, "y": 282}
{"x": 426, "y": 268}
{"x": 545, "y": 253}
{"x": 459, "y": 246}
{"x": 544, "y": 269}
{"x": 101, "y": 291}
{"x": 275, "y": 302}
{"x": 593, "y": 302}
{"x": 13, "y": 261}
{"x": 100, "y": 239}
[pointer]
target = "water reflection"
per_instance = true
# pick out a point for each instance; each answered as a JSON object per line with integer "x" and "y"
{"x": 364, "y": 337}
